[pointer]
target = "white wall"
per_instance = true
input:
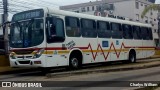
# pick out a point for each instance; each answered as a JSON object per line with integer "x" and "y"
{"x": 124, "y": 9}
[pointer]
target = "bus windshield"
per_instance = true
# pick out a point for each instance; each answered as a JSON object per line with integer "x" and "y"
{"x": 27, "y": 33}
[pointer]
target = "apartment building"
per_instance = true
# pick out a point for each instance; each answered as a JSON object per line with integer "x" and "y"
{"x": 121, "y": 9}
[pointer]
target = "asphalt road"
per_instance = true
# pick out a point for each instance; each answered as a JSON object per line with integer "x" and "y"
{"x": 120, "y": 80}
{"x": 95, "y": 81}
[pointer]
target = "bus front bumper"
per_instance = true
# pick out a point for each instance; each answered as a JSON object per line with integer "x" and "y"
{"x": 26, "y": 63}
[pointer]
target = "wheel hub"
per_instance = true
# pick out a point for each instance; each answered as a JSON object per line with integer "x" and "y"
{"x": 74, "y": 62}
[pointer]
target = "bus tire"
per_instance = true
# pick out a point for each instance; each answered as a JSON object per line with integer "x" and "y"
{"x": 132, "y": 57}
{"x": 74, "y": 63}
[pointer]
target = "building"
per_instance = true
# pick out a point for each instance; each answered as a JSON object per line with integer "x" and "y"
{"x": 121, "y": 9}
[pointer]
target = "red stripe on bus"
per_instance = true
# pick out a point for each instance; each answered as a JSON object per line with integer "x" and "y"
{"x": 111, "y": 46}
{"x": 55, "y": 48}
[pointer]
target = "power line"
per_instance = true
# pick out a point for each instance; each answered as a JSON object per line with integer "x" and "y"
{"x": 50, "y": 3}
{"x": 37, "y": 4}
{"x": 16, "y": 5}
{"x": 19, "y": 5}
{"x": 28, "y": 3}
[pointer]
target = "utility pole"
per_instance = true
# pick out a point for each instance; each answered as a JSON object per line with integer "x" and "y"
{"x": 5, "y": 26}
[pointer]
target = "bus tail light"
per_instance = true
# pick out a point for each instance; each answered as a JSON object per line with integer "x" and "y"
{"x": 38, "y": 53}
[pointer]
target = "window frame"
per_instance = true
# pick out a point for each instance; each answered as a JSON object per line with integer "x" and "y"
{"x": 145, "y": 33}
{"x": 87, "y": 29}
{"x": 128, "y": 31}
{"x": 114, "y": 32}
{"x": 49, "y": 39}
{"x": 108, "y": 29}
{"x": 139, "y": 37}
{"x": 150, "y": 33}
{"x": 67, "y": 25}
{"x": 137, "y": 5}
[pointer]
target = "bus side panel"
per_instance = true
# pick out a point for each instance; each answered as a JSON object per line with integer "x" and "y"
{"x": 117, "y": 49}
{"x": 104, "y": 49}
{"x": 127, "y": 46}
{"x": 56, "y": 56}
{"x": 134, "y": 44}
{"x": 90, "y": 54}
{"x": 148, "y": 49}
{"x": 88, "y": 46}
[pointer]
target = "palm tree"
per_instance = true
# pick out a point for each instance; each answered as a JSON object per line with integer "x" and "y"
{"x": 150, "y": 7}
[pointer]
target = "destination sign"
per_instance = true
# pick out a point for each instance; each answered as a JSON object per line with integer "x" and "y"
{"x": 37, "y": 13}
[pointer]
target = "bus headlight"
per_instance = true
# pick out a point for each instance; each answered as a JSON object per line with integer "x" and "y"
{"x": 38, "y": 53}
{"x": 12, "y": 55}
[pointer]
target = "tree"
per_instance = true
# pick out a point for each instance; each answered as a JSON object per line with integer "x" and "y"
{"x": 150, "y": 7}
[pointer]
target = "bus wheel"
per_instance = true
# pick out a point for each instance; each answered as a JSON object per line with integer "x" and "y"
{"x": 74, "y": 63}
{"x": 132, "y": 57}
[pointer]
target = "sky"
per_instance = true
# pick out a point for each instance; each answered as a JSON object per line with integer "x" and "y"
{"x": 67, "y": 2}
{"x": 58, "y": 3}
{"x": 158, "y": 1}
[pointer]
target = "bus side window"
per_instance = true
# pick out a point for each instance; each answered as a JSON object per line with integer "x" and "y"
{"x": 127, "y": 31}
{"x": 60, "y": 28}
{"x": 72, "y": 26}
{"x": 88, "y": 28}
{"x": 116, "y": 30}
{"x": 55, "y": 30}
{"x": 103, "y": 29}
{"x": 145, "y": 33}
{"x": 137, "y": 32}
{"x": 150, "y": 33}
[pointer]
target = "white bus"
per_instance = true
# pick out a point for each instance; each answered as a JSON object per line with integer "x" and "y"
{"x": 53, "y": 38}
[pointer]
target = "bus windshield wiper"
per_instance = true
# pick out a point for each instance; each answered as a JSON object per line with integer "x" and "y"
{"x": 19, "y": 29}
{"x": 30, "y": 23}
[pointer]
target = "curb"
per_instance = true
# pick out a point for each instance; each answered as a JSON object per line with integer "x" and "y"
{"x": 70, "y": 73}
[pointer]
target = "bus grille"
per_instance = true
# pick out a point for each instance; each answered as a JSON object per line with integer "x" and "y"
{"x": 24, "y": 51}
{"x": 24, "y": 62}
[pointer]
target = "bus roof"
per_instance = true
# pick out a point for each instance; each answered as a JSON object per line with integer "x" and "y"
{"x": 80, "y": 15}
